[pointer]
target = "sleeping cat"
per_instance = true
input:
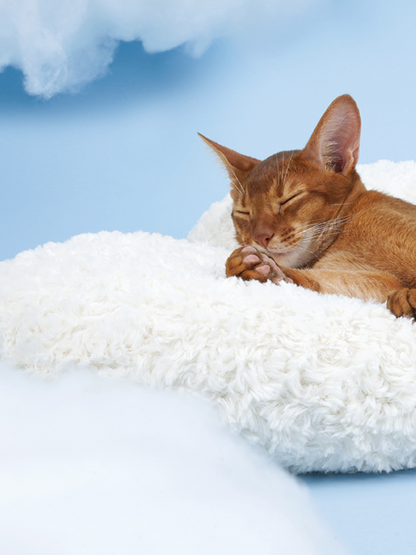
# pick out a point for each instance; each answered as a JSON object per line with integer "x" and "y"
{"x": 304, "y": 216}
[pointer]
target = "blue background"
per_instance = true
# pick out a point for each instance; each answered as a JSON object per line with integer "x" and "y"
{"x": 123, "y": 153}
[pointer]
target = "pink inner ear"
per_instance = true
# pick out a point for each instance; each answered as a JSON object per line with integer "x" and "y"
{"x": 340, "y": 141}
{"x": 335, "y": 143}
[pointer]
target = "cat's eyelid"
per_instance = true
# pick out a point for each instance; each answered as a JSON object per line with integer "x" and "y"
{"x": 241, "y": 212}
{"x": 291, "y": 198}
{"x": 288, "y": 200}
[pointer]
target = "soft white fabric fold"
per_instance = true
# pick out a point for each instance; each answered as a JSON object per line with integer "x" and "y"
{"x": 323, "y": 382}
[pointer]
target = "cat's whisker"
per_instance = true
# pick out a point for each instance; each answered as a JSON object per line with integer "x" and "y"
{"x": 283, "y": 165}
{"x": 309, "y": 250}
{"x": 314, "y": 254}
{"x": 310, "y": 225}
{"x": 310, "y": 228}
{"x": 322, "y": 235}
{"x": 240, "y": 189}
{"x": 287, "y": 169}
{"x": 237, "y": 188}
{"x": 325, "y": 229}
{"x": 326, "y": 233}
{"x": 336, "y": 222}
{"x": 277, "y": 171}
{"x": 315, "y": 230}
{"x": 325, "y": 226}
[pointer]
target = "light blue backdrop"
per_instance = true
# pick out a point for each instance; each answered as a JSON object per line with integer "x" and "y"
{"x": 123, "y": 154}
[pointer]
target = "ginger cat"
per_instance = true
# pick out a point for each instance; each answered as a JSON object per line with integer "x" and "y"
{"x": 304, "y": 216}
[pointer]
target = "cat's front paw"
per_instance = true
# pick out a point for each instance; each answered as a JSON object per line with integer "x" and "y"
{"x": 402, "y": 302}
{"x": 249, "y": 263}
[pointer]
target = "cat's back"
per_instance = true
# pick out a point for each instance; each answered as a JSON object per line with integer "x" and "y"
{"x": 381, "y": 202}
{"x": 376, "y": 214}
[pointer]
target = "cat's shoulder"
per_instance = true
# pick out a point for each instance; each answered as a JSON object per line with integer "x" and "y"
{"x": 377, "y": 203}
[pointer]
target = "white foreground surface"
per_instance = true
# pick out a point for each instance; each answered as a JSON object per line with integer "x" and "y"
{"x": 95, "y": 467}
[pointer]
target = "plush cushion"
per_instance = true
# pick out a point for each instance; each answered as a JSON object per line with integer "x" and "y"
{"x": 323, "y": 382}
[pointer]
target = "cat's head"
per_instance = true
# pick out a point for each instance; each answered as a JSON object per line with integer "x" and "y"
{"x": 292, "y": 204}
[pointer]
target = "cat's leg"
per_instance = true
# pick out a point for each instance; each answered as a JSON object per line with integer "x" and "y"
{"x": 365, "y": 285}
{"x": 402, "y": 302}
{"x": 249, "y": 263}
{"x": 362, "y": 284}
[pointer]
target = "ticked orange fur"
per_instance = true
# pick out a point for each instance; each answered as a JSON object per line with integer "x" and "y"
{"x": 305, "y": 216}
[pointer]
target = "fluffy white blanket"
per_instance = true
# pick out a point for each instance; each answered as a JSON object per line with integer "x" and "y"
{"x": 323, "y": 382}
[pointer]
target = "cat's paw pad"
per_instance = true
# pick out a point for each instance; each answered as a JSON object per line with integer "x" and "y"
{"x": 249, "y": 263}
{"x": 402, "y": 302}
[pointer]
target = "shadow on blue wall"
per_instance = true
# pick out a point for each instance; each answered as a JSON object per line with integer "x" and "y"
{"x": 134, "y": 76}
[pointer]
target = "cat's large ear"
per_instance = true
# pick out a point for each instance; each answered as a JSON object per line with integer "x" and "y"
{"x": 335, "y": 143}
{"x": 237, "y": 165}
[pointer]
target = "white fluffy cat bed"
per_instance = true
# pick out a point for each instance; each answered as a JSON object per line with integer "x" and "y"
{"x": 324, "y": 383}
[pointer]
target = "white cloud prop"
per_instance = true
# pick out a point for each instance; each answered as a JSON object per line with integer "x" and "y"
{"x": 322, "y": 382}
{"x": 62, "y": 44}
{"x": 95, "y": 467}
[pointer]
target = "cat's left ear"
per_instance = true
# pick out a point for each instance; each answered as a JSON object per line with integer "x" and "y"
{"x": 335, "y": 143}
{"x": 237, "y": 165}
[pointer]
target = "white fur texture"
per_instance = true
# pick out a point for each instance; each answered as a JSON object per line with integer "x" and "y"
{"x": 322, "y": 382}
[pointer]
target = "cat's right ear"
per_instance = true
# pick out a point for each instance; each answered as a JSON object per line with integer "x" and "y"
{"x": 237, "y": 165}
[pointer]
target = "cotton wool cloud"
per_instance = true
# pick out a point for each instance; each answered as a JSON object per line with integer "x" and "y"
{"x": 61, "y": 45}
{"x": 90, "y": 466}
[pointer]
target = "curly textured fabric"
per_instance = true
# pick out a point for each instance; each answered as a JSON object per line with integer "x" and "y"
{"x": 324, "y": 383}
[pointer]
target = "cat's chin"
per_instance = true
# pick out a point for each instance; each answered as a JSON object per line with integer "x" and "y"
{"x": 294, "y": 258}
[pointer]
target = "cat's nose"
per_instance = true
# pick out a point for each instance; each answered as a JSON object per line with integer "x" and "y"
{"x": 263, "y": 238}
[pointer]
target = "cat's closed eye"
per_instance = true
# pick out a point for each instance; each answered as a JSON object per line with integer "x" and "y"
{"x": 287, "y": 201}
